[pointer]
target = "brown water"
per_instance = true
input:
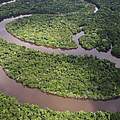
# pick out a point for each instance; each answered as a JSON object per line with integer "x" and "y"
{"x": 45, "y": 100}
{"x": 79, "y": 51}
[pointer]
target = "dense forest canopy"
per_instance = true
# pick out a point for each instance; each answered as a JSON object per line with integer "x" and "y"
{"x": 47, "y": 6}
{"x": 10, "y": 109}
{"x": 64, "y": 75}
{"x": 71, "y": 76}
{"x": 102, "y": 30}
{"x": 1, "y": 1}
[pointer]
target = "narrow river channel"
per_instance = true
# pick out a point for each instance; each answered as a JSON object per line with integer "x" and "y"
{"x": 46, "y": 100}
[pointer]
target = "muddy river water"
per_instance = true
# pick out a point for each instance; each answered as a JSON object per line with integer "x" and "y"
{"x": 46, "y": 100}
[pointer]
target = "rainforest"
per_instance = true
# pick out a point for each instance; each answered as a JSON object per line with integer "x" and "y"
{"x": 59, "y": 60}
